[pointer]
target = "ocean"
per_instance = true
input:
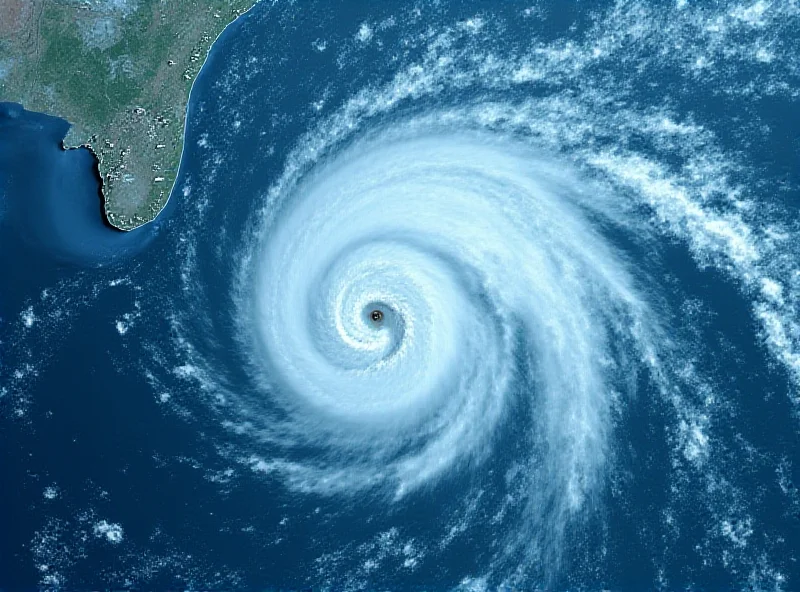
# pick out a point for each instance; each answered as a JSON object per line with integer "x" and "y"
{"x": 448, "y": 296}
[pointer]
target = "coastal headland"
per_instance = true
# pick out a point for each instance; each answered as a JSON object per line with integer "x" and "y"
{"x": 120, "y": 71}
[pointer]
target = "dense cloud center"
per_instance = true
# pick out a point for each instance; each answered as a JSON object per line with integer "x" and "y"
{"x": 492, "y": 288}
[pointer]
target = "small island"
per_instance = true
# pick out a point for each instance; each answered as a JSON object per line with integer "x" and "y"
{"x": 120, "y": 71}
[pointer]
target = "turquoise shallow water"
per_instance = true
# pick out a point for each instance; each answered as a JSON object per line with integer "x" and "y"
{"x": 579, "y": 225}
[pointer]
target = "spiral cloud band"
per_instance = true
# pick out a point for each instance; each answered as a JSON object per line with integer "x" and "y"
{"x": 495, "y": 297}
{"x": 454, "y": 296}
{"x": 472, "y": 274}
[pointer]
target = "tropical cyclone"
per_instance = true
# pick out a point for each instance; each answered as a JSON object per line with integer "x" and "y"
{"x": 120, "y": 72}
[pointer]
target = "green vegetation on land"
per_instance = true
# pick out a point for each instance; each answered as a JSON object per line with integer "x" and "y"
{"x": 120, "y": 71}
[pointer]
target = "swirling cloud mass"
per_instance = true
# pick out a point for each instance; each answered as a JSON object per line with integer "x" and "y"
{"x": 461, "y": 271}
{"x": 474, "y": 285}
{"x": 496, "y": 298}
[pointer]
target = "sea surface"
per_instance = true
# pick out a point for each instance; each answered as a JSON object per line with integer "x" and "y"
{"x": 448, "y": 296}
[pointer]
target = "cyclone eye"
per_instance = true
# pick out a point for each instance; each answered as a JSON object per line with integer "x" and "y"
{"x": 376, "y": 316}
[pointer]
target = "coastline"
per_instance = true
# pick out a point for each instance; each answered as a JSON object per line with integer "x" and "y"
{"x": 99, "y": 178}
{"x": 52, "y": 203}
{"x": 127, "y": 101}
{"x": 183, "y": 139}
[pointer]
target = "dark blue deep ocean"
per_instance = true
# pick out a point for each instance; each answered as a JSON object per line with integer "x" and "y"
{"x": 120, "y": 464}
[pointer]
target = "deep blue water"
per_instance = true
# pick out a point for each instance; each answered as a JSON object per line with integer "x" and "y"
{"x": 580, "y": 223}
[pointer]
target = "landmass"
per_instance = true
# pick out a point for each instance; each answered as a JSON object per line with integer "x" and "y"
{"x": 120, "y": 72}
